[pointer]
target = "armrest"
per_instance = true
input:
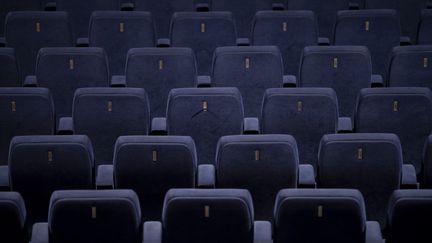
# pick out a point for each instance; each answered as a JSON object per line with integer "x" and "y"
{"x": 203, "y": 81}
{"x": 345, "y": 125}
{"x": 65, "y": 126}
{"x": 289, "y": 81}
{"x": 243, "y": 42}
{"x": 2, "y": 42}
{"x": 307, "y": 176}
{"x": 159, "y": 126}
{"x": 4, "y": 178}
{"x": 40, "y": 233}
{"x": 409, "y": 177}
{"x": 278, "y": 6}
{"x": 152, "y": 232}
{"x": 202, "y": 7}
{"x": 118, "y": 81}
{"x": 405, "y": 41}
{"x": 206, "y": 176}
{"x": 251, "y": 125}
{"x": 105, "y": 177}
{"x": 50, "y": 6}
{"x": 353, "y": 6}
{"x": 83, "y": 42}
{"x": 163, "y": 43}
{"x": 323, "y": 41}
{"x": 262, "y": 232}
{"x": 377, "y": 81}
{"x": 373, "y": 232}
{"x": 127, "y": 6}
{"x": 30, "y": 81}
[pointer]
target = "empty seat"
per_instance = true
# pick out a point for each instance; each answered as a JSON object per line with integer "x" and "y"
{"x": 162, "y": 11}
{"x": 325, "y": 11}
{"x": 118, "y": 31}
{"x": 323, "y": 215}
{"x": 63, "y": 70}
{"x": 243, "y": 11}
{"x": 424, "y": 36}
{"x": 283, "y": 29}
{"x": 203, "y": 32}
{"x": 252, "y": 70}
{"x": 305, "y": 113}
{"x": 24, "y": 111}
{"x": 406, "y": 112}
{"x": 411, "y": 66}
{"x": 409, "y": 214}
{"x": 409, "y": 12}
{"x": 110, "y": 216}
{"x": 104, "y": 114}
{"x": 13, "y": 218}
{"x": 221, "y": 215}
{"x": 39, "y": 165}
{"x": 379, "y": 30}
{"x": 346, "y": 69}
{"x": 7, "y": 6}
{"x": 9, "y": 72}
{"x": 205, "y": 115}
{"x": 151, "y": 165}
{"x": 271, "y": 160}
{"x": 158, "y": 70}
{"x": 371, "y": 163}
{"x": 29, "y": 31}
{"x": 81, "y": 10}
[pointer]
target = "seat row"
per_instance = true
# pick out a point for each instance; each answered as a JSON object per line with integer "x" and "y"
{"x": 221, "y": 215}
{"x": 117, "y": 32}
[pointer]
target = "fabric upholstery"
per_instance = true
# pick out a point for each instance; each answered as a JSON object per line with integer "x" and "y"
{"x": 424, "y": 36}
{"x": 9, "y": 72}
{"x": 305, "y": 113}
{"x": 371, "y": 163}
{"x": 252, "y": 70}
{"x": 7, "y": 6}
{"x": 271, "y": 160}
{"x": 13, "y": 218}
{"x": 205, "y": 114}
{"x": 427, "y": 163}
{"x": 118, "y": 31}
{"x": 291, "y": 31}
{"x": 104, "y": 114}
{"x": 151, "y": 166}
{"x": 158, "y": 70}
{"x": 406, "y": 112}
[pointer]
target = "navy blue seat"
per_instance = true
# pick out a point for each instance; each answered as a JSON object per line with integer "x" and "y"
{"x": 205, "y": 115}
{"x": 271, "y": 160}
{"x": 211, "y": 216}
{"x": 39, "y": 165}
{"x": 162, "y": 11}
{"x": 325, "y": 11}
{"x": 410, "y": 66}
{"x": 379, "y": 30}
{"x": 424, "y": 37}
{"x": 406, "y": 112}
{"x": 427, "y": 163}
{"x": 305, "y": 113}
{"x": 282, "y": 28}
{"x": 9, "y": 72}
{"x": 203, "y": 32}
{"x": 151, "y": 165}
{"x": 158, "y": 70}
{"x": 104, "y": 114}
{"x": 323, "y": 215}
{"x": 118, "y": 31}
{"x": 63, "y": 70}
{"x": 409, "y": 214}
{"x": 371, "y": 163}
{"x": 13, "y": 218}
{"x": 252, "y": 70}
{"x": 111, "y": 216}
{"x": 409, "y": 12}
{"x": 27, "y": 32}
{"x": 7, "y": 6}
{"x": 81, "y": 10}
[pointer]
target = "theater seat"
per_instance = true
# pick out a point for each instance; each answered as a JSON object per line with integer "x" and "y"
{"x": 424, "y": 37}
{"x": 9, "y": 72}
{"x": 13, "y": 218}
